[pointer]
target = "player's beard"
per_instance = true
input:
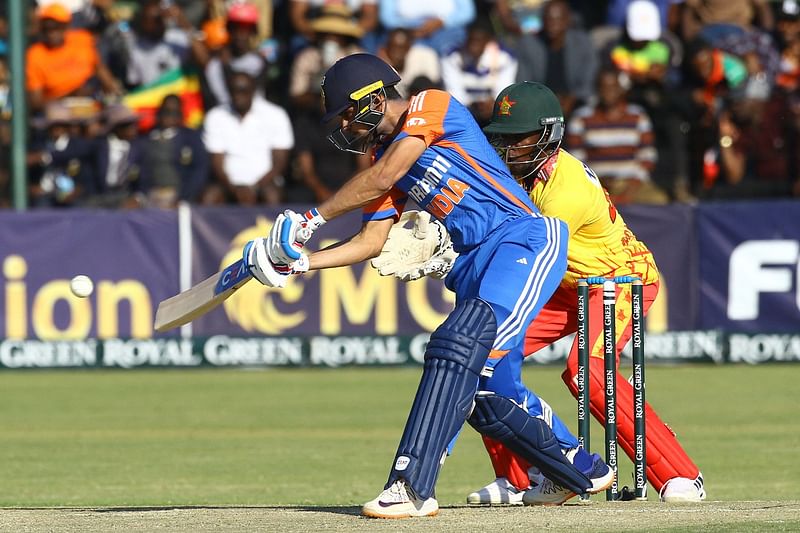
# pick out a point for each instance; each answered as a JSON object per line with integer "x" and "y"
{"x": 524, "y": 173}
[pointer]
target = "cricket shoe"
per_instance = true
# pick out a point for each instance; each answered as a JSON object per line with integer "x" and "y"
{"x": 682, "y": 489}
{"x": 499, "y": 492}
{"x": 398, "y": 502}
{"x": 545, "y": 492}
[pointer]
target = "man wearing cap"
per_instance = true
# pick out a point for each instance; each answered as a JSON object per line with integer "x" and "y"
{"x": 303, "y": 12}
{"x": 336, "y": 34}
{"x": 527, "y": 128}
{"x": 512, "y": 258}
{"x": 59, "y": 162}
{"x": 641, "y": 54}
{"x": 238, "y": 53}
{"x": 644, "y": 53}
{"x": 117, "y": 161}
{"x": 64, "y": 61}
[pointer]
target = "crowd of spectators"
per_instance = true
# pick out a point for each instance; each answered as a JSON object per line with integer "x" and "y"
{"x": 152, "y": 102}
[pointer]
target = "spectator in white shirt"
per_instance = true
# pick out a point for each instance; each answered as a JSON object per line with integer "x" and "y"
{"x": 249, "y": 141}
{"x": 476, "y": 72}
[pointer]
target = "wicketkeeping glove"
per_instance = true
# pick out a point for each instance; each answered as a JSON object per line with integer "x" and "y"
{"x": 417, "y": 246}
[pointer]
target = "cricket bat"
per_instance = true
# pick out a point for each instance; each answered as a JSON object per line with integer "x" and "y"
{"x": 201, "y": 298}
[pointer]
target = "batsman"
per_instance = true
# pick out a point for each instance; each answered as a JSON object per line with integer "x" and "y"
{"x": 526, "y": 128}
{"x": 511, "y": 260}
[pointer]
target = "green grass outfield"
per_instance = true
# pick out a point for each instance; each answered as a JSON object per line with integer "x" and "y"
{"x": 320, "y": 437}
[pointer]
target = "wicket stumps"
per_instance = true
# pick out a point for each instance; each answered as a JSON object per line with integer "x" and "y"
{"x": 610, "y": 376}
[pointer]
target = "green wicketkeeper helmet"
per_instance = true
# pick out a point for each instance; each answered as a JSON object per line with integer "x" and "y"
{"x": 520, "y": 110}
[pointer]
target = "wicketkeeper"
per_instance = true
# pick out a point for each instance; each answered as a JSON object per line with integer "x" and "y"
{"x": 527, "y": 127}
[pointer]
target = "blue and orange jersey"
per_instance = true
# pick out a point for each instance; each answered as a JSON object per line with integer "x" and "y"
{"x": 459, "y": 178}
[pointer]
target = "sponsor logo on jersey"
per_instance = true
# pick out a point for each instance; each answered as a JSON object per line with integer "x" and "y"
{"x": 434, "y": 174}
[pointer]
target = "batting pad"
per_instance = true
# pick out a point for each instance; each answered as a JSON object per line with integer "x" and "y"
{"x": 666, "y": 458}
{"x": 508, "y": 465}
{"x": 529, "y": 437}
{"x": 454, "y": 358}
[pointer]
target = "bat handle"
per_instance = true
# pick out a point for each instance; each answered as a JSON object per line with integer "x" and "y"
{"x": 303, "y": 234}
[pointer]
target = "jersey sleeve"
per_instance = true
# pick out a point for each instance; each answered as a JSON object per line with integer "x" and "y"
{"x": 425, "y": 117}
{"x": 390, "y": 205}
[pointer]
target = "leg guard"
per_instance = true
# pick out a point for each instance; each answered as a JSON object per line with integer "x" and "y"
{"x": 454, "y": 358}
{"x": 529, "y": 437}
{"x": 508, "y": 465}
{"x": 666, "y": 458}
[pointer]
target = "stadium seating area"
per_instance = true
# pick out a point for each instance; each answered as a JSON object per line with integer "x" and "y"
{"x": 149, "y": 103}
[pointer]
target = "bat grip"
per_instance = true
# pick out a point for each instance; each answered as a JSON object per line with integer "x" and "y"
{"x": 303, "y": 234}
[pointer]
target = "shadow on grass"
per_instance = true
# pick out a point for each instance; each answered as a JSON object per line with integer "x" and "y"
{"x": 352, "y": 510}
{"x": 341, "y": 510}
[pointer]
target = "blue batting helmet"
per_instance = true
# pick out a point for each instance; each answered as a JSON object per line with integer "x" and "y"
{"x": 352, "y": 78}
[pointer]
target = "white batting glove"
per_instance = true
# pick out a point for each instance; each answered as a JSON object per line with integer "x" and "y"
{"x": 417, "y": 246}
{"x": 256, "y": 258}
{"x": 289, "y": 234}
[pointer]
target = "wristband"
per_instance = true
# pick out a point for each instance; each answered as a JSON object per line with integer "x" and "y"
{"x": 313, "y": 219}
{"x": 301, "y": 265}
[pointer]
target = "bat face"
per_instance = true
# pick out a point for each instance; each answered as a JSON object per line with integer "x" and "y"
{"x": 201, "y": 298}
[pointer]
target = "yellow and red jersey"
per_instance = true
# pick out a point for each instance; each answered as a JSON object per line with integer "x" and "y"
{"x": 600, "y": 244}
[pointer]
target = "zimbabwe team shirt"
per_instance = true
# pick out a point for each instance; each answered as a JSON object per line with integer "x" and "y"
{"x": 459, "y": 178}
{"x": 600, "y": 244}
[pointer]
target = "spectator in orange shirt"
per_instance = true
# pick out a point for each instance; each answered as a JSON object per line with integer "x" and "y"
{"x": 64, "y": 61}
